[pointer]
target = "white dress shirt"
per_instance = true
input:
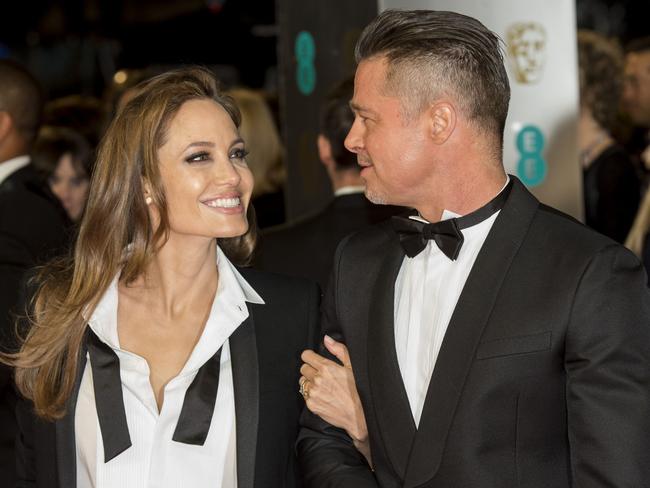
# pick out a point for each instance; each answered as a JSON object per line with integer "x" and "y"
{"x": 10, "y": 166}
{"x": 154, "y": 459}
{"x": 426, "y": 292}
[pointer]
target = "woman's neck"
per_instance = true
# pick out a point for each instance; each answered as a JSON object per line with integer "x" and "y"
{"x": 181, "y": 274}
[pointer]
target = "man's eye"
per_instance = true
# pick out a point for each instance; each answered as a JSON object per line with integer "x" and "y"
{"x": 198, "y": 157}
{"x": 239, "y": 154}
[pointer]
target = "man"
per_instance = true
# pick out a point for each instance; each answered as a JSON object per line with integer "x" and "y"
{"x": 504, "y": 345}
{"x": 307, "y": 247}
{"x": 31, "y": 224}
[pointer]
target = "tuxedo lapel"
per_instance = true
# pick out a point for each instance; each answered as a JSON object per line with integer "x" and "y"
{"x": 66, "y": 451}
{"x": 392, "y": 408}
{"x": 463, "y": 334}
{"x": 245, "y": 375}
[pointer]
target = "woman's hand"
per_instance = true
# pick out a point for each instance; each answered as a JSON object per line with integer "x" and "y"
{"x": 331, "y": 393}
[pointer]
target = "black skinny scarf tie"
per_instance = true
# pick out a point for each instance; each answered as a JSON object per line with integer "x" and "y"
{"x": 196, "y": 413}
{"x": 414, "y": 235}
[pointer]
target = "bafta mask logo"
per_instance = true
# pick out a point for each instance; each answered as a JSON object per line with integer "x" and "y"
{"x": 527, "y": 51}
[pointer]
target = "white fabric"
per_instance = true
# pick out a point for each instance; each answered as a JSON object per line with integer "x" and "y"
{"x": 349, "y": 190}
{"x": 10, "y": 166}
{"x": 426, "y": 292}
{"x": 154, "y": 460}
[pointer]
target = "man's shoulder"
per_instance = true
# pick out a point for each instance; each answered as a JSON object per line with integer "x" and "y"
{"x": 567, "y": 232}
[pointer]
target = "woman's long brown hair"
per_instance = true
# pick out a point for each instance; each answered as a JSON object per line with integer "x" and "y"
{"x": 116, "y": 216}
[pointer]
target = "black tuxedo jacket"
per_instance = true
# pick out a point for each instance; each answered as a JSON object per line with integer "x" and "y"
{"x": 265, "y": 352}
{"x": 306, "y": 248}
{"x": 543, "y": 378}
{"x": 32, "y": 229}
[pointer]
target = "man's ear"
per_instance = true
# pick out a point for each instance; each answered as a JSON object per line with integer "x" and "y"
{"x": 6, "y": 123}
{"x": 442, "y": 121}
{"x": 324, "y": 149}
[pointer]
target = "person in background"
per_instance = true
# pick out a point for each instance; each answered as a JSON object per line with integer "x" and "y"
{"x": 611, "y": 185}
{"x": 64, "y": 159}
{"x": 150, "y": 358}
{"x": 306, "y": 247}
{"x": 636, "y": 97}
{"x": 32, "y": 226}
{"x": 259, "y": 130}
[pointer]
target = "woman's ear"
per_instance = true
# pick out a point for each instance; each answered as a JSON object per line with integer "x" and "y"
{"x": 146, "y": 187}
{"x": 442, "y": 121}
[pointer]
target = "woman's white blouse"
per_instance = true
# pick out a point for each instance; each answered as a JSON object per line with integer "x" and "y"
{"x": 154, "y": 460}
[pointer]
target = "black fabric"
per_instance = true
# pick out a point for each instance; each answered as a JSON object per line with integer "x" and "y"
{"x": 32, "y": 229}
{"x": 306, "y": 248}
{"x": 611, "y": 193}
{"x": 265, "y": 352}
{"x": 447, "y": 235}
{"x": 109, "y": 401}
{"x": 198, "y": 405}
{"x": 542, "y": 379}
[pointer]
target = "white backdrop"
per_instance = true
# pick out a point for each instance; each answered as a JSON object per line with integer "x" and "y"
{"x": 540, "y": 141}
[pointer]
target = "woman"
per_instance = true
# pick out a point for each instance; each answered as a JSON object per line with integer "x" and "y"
{"x": 611, "y": 185}
{"x": 151, "y": 359}
{"x": 64, "y": 158}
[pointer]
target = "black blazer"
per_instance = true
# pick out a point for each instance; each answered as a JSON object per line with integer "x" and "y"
{"x": 265, "y": 353}
{"x": 32, "y": 229}
{"x": 543, "y": 378}
{"x": 306, "y": 248}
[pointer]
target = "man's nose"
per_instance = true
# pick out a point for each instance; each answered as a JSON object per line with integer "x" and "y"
{"x": 354, "y": 140}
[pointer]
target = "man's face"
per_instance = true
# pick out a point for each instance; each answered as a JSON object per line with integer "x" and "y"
{"x": 395, "y": 153}
{"x": 636, "y": 87}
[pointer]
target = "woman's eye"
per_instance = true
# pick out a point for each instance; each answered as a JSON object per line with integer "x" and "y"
{"x": 239, "y": 154}
{"x": 198, "y": 157}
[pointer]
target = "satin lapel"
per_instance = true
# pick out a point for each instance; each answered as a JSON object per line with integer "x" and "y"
{"x": 245, "y": 376}
{"x": 66, "y": 451}
{"x": 464, "y": 332}
{"x": 392, "y": 408}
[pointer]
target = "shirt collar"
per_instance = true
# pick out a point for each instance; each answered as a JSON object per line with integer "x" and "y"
{"x": 10, "y": 166}
{"x": 448, "y": 214}
{"x": 228, "y": 311}
{"x": 349, "y": 190}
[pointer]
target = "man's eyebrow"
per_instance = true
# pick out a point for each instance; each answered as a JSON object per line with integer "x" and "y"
{"x": 358, "y": 108}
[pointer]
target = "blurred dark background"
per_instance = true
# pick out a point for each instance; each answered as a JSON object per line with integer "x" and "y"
{"x": 75, "y": 46}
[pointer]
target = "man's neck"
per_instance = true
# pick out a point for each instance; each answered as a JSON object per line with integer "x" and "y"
{"x": 464, "y": 195}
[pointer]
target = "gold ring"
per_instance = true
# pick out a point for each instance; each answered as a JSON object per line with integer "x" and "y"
{"x": 304, "y": 391}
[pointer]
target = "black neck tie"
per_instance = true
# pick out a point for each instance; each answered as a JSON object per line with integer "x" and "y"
{"x": 447, "y": 235}
{"x": 194, "y": 420}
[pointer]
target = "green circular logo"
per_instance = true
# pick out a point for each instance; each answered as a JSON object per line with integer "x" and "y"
{"x": 531, "y": 168}
{"x": 305, "y": 50}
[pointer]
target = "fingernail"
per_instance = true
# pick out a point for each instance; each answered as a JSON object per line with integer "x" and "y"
{"x": 329, "y": 340}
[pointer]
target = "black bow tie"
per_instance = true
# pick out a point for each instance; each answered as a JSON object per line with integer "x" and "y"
{"x": 414, "y": 235}
{"x": 194, "y": 420}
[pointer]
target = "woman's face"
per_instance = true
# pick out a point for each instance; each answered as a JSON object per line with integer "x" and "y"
{"x": 70, "y": 187}
{"x": 206, "y": 181}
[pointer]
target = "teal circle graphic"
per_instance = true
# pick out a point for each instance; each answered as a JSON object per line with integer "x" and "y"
{"x": 306, "y": 78}
{"x": 305, "y": 50}
{"x": 530, "y": 140}
{"x": 305, "y": 47}
{"x": 531, "y": 168}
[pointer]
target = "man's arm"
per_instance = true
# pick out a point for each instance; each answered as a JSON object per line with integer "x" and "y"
{"x": 327, "y": 454}
{"x": 607, "y": 361}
